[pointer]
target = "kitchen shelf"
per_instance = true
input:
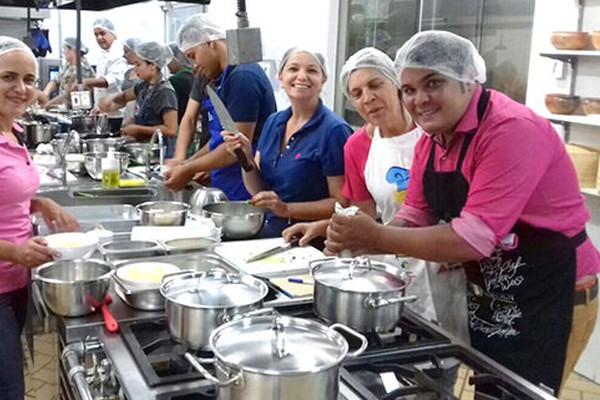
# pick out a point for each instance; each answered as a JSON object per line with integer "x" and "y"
{"x": 590, "y": 120}
{"x": 590, "y": 191}
{"x": 570, "y": 55}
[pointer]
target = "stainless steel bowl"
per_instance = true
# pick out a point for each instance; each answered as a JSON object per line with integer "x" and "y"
{"x": 103, "y": 145}
{"x": 139, "y": 153}
{"x": 237, "y": 219}
{"x": 93, "y": 162}
{"x": 206, "y": 195}
{"x": 163, "y": 213}
{"x": 74, "y": 288}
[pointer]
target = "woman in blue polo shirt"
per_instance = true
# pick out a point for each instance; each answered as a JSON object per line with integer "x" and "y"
{"x": 299, "y": 162}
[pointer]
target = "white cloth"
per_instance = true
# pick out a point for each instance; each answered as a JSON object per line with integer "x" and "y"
{"x": 386, "y": 170}
{"x": 111, "y": 66}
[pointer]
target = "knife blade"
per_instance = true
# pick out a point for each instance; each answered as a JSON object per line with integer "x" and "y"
{"x": 228, "y": 125}
{"x": 275, "y": 250}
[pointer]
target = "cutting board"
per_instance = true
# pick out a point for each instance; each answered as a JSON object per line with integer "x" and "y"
{"x": 296, "y": 289}
{"x": 293, "y": 261}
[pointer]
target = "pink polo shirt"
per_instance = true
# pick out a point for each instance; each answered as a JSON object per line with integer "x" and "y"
{"x": 19, "y": 181}
{"x": 517, "y": 169}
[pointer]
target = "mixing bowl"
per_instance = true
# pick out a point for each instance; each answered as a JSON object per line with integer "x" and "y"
{"x": 72, "y": 245}
{"x": 93, "y": 162}
{"x": 163, "y": 213}
{"x": 561, "y": 103}
{"x": 237, "y": 219}
{"x": 139, "y": 153}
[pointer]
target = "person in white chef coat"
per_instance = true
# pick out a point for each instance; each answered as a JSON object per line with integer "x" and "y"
{"x": 111, "y": 65}
{"x": 377, "y": 160}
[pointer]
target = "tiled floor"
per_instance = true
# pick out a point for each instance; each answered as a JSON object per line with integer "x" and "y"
{"x": 41, "y": 382}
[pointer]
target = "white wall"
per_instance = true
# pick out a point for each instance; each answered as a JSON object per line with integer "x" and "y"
{"x": 561, "y": 15}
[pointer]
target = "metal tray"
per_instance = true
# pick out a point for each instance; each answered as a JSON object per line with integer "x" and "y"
{"x": 117, "y": 250}
{"x": 114, "y": 217}
{"x": 189, "y": 245}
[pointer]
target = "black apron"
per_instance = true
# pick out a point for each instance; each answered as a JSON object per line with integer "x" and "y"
{"x": 520, "y": 301}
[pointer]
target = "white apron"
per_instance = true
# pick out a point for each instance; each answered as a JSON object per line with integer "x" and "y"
{"x": 442, "y": 296}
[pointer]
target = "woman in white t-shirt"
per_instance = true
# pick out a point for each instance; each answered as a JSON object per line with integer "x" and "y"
{"x": 378, "y": 158}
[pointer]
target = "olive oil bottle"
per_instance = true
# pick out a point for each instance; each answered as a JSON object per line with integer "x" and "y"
{"x": 110, "y": 173}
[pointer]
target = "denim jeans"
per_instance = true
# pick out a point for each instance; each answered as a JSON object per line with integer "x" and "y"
{"x": 13, "y": 310}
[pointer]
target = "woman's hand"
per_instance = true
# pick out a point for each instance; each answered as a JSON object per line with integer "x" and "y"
{"x": 270, "y": 200}
{"x": 177, "y": 178}
{"x": 234, "y": 141}
{"x": 56, "y": 218}
{"x": 358, "y": 233}
{"x": 34, "y": 253}
{"x": 130, "y": 130}
{"x": 306, "y": 230}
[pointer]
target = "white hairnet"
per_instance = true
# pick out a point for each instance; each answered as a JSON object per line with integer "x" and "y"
{"x": 131, "y": 43}
{"x": 196, "y": 30}
{"x": 154, "y": 52}
{"x": 71, "y": 43}
{"x": 106, "y": 24}
{"x": 443, "y": 52}
{"x": 319, "y": 58}
{"x": 369, "y": 57}
{"x": 8, "y": 44}
{"x": 179, "y": 56}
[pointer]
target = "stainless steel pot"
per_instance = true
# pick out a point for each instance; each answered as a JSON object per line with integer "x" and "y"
{"x": 278, "y": 358}
{"x": 198, "y": 302}
{"x": 163, "y": 213}
{"x": 206, "y": 195}
{"x": 103, "y": 145}
{"x": 36, "y": 133}
{"x": 83, "y": 123}
{"x": 363, "y": 294}
{"x": 74, "y": 288}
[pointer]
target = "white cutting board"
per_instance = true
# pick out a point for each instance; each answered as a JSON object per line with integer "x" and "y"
{"x": 198, "y": 227}
{"x": 293, "y": 261}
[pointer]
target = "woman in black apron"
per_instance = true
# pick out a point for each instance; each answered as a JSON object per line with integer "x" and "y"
{"x": 521, "y": 294}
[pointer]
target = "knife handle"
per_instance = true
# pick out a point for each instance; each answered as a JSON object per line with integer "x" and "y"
{"x": 241, "y": 157}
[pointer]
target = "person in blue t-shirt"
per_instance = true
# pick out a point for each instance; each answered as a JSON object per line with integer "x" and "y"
{"x": 244, "y": 89}
{"x": 299, "y": 161}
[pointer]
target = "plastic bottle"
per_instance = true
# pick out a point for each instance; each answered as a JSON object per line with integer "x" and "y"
{"x": 110, "y": 173}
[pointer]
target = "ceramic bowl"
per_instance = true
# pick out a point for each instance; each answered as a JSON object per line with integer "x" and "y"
{"x": 561, "y": 103}
{"x": 72, "y": 245}
{"x": 591, "y": 105}
{"x": 570, "y": 40}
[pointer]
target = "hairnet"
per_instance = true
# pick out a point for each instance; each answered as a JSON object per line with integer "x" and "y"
{"x": 106, "y": 24}
{"x": 8, "y": 44}
{"x": 131, "y": 43}
{"x": 154, "y": 52}
{"x": 317, "y": 56}
{"x": 369, "y": 57}
{"x": 71, "y": 43}
{"x": 196, "y": 30}
{"x": 179, "y": 56}
{"x": 442, "y": 52}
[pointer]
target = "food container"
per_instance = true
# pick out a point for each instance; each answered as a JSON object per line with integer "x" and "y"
{"x": 570, "y": 40}
{"x": 591, "y": 106}
{"x": 278, "y": 358}
{"x": 236, "y": 219}
{"x": 93, "y": 162}
{"x": 365, "y": 295}
{"x": 128, "y": 249}
{"x": 198, "y": 302}
{"x": 103, "y": 145}
{"x": 163, "y": 213}
{"x": 36, "y": 133}
{"x": 187, "y": 245}
{"x": 561, "y": 103}
{"x": 72, "y": 245}
{"x": 73, "y": 288}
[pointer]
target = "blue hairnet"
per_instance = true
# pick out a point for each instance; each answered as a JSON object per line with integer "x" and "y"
{"x": 319, "y": 58}
{"x": 196, "y": 30}
{"x": 71, "y": 43}
{"x": 179, "y": 56}
{"x": 154, "y": 52}
{"x": 443, "y": 52}
{"x": 369, "y": 57}
{"x": 106, "y": 24}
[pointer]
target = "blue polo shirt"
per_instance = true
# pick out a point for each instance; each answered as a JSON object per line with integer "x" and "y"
{"x": 299, "y": 173}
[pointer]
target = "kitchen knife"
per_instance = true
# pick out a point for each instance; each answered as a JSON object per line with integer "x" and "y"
{"x": 228, "y": 125}
{"x": 275, "y": 250}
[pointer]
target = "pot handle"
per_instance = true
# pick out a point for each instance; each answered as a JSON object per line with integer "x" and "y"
{"x": 234, "y": 380}
{"x": 372, "y": 302}
{"x": 121, "y": 284}
{"x": 311, "y": 265}
{"x": 363, "y": 340}
{"x": 225, "y": 317}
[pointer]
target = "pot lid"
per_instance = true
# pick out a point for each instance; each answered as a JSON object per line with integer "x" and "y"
{"x": 215, "y": 288}
{"x": 280, "y": 345}
{"x": 359, "y": 275}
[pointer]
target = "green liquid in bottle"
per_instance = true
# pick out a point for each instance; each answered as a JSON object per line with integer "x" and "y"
{"x": 110, "y": 179}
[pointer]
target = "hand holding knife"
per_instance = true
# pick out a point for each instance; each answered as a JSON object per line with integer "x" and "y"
{"x": 275, "y": 250}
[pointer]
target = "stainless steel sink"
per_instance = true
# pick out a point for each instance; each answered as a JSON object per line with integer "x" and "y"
{"x": 113, "y": 217}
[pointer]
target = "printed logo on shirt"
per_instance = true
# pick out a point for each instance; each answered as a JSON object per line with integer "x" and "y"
{"x": 399, "y": 177}
{"x": 298, "y": 156}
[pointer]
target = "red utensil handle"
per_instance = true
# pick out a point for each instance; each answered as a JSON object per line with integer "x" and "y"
{"x": 111, "y": 323}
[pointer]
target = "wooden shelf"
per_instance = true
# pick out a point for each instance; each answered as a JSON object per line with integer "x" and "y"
{"x": 591, "y": 120}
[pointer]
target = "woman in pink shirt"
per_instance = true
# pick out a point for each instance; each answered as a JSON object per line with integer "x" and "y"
{"x": 19, "y": 180}
{"x": 483, "y": 192}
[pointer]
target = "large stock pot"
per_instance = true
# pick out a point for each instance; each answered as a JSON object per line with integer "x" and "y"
{"x": 278, "y": 358}
{"x": 364, "y": 294}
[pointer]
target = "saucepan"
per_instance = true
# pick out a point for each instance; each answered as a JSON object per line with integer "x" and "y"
{"x": 278, "y": 358}
{"x": 364, "y": 294}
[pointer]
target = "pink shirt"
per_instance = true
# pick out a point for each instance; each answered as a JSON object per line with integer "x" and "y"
{"x": 356, "y": 153}
{"x": 517, "y": 169}
{"x": 19, "y": 181}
